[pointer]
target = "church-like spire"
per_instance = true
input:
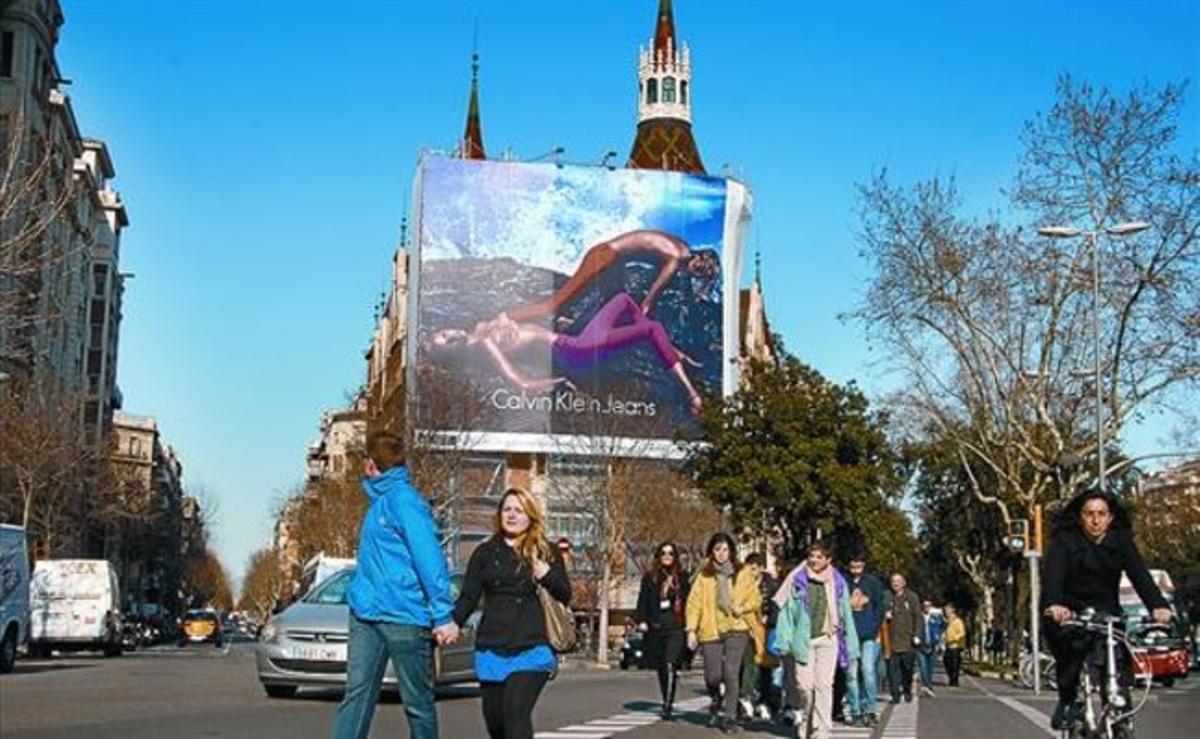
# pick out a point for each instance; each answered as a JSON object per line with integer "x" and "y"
{"x": 664, "y": 29}
{"x": 472, "y": 140}
{"x": 664, "y": 134}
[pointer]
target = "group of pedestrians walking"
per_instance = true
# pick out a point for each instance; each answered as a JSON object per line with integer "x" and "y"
{"x": 401, "y": 605}
{"x": 791, "y": 648}
{"x": 795, "y": 648}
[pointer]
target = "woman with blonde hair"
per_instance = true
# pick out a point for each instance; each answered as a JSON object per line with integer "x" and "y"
{"x": 722, "y": 597}
{"x": 513, "y": 659}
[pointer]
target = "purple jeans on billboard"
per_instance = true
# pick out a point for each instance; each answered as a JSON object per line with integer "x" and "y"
{"x": 617, "y": 325}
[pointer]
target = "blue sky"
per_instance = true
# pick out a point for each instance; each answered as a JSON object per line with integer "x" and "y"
{"x": 265, "y": 152}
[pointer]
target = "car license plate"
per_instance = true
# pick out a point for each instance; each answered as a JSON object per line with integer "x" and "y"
{"x": 319, "y": 654}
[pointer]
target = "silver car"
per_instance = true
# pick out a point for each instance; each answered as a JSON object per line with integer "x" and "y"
{"x": 305, "y": 645}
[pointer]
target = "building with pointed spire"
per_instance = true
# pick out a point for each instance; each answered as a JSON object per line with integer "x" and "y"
{"x": 472, "y": 140}
{"x": 664, "y": 132}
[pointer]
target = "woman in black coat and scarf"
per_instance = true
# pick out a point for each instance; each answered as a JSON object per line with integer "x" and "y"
{"x": 660, "y": 615}
{"x": 1091, "y": 546}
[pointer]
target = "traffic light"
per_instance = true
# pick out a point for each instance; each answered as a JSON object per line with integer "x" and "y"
{"x": 1018, "y": 535}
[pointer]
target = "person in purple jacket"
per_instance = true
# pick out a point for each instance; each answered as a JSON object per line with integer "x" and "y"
{"x": 399, "y": 599}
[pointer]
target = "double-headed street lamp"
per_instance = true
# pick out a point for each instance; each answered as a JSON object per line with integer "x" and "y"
{"x": 1067, "y": 232}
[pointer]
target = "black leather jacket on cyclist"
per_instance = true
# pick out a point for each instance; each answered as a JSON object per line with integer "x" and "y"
{"x": 1081, "y": 573}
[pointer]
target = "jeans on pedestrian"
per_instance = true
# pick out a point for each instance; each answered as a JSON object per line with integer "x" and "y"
{"x": 723, "y": 663}
{"x": 925, "y": 659}
{"x": 900, "y": 674}
{"x": 411, "y": 651}
{"x": 862, "y": 682}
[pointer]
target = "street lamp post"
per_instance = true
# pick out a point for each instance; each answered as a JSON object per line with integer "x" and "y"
{"x": 1067, "y": 232}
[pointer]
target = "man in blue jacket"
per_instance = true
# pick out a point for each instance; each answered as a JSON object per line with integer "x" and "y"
{"x": 399, "y": 600}
{"x": 866, "y": 600}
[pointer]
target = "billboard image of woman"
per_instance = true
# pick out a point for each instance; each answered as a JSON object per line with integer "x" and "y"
{"x": 569, "y": 300}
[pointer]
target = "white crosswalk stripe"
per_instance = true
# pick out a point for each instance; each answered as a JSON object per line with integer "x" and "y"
{"x": 603, "y": 728}
{"x": 902, "y": 722}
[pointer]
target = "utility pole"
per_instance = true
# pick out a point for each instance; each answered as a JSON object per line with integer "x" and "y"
{"x": 1033, "y": 553}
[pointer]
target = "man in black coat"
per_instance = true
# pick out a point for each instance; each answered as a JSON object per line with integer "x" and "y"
{"x": 1091, "y": 546}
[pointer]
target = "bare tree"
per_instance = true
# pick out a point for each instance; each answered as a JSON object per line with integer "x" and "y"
{"x": 991, "y": 326}
{"x": 263, "y": 585}
{"x": 618, "y": 476}
{"x": 44, "y": 462}
{"x": 37, "y": 188}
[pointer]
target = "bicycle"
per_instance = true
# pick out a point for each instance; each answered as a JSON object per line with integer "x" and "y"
{"x": 1106, "y": 710}
{"x": 1048, "y": 670}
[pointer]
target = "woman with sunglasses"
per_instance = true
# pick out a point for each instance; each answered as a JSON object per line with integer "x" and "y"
{"x": 660, "y": 615}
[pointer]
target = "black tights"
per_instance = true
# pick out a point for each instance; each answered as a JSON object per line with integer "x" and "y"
{"x": 508, "y": 706}
{"x": 668, "y": 678}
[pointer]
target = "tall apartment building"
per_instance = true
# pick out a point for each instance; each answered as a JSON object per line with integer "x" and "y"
{"x": 146, "y": 544}
{"x": 60, "y": 288}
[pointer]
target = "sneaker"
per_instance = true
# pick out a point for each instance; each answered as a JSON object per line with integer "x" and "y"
{"x": 747, "y": 708}
{"x": 908, "y": 697}
{"x": 787, "y": 717}
{"x": 763, "y": 712}
{"x": 668, "y": 714}
{"x": 870, "y": 720}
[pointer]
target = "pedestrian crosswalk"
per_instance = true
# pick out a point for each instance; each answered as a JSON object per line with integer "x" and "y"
{"x": 603, "y": 728}
{"x": 902, "y": 722}
{"x": 902, "y": 725}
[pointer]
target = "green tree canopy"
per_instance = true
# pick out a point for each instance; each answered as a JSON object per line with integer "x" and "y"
{"x": 798, "y": 455}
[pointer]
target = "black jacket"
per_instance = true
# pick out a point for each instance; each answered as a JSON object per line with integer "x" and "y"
{"x": 1081, "y": 574}
{"x": 650, "y": 601}
{"x": 512, "y": 616}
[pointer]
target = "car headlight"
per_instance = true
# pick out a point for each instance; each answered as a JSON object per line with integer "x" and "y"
{"x": 269, "y": 632}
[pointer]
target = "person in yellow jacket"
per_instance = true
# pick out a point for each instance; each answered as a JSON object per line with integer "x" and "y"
{"x": 722, "y": 598}
{"x": 955, "y": 641}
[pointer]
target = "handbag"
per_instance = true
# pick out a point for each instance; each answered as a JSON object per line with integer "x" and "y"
{"x": 560, "y": 622}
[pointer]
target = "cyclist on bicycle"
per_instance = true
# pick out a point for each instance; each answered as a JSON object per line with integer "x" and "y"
{"x": 1092, "y": 544}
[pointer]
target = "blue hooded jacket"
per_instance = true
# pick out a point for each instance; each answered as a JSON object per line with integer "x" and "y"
{"x": 401, "y": 576}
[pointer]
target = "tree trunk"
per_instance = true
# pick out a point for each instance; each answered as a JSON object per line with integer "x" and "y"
{"x": 605, "y": 586}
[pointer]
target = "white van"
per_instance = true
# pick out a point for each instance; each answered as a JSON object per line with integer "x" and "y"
{"x": 14, "y": 593}
{"x": 74, "y": 604}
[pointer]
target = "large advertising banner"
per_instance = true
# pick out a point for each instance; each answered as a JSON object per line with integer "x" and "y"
{"x": 571, "y": 302}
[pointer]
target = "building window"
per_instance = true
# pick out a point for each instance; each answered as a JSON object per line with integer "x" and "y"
{"x": 668, "y": 89}
{"x": 683, "y": 91}
{"x": 135, "y": 446}
{"x": 6, "y": 54}
{"x": 651, "y": 91}
{"x": 99, "y": 280}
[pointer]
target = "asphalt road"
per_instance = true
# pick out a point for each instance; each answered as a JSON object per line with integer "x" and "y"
{"x": 205, "y": 692}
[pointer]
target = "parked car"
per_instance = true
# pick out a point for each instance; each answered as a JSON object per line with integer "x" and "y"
{"x": 1163, "y": 651}
{"x": 201, "y": 625}
{"x": 633, "y": 651}
{"x": 305, "y": 644}
{"x": 14, "y": 594}
{"x": 74, "y": 604}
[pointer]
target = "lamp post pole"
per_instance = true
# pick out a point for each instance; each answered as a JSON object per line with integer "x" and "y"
{"x": 1100, "y": 465}
{"x": 1091, "y": 237}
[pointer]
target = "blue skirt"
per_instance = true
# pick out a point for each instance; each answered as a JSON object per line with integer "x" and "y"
{"x": 495, "y": 668}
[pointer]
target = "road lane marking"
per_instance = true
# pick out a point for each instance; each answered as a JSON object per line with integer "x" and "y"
{"x": 1036, "y": 717}
{"x": 603, "y": 728}
{"x": 901, "y": 721}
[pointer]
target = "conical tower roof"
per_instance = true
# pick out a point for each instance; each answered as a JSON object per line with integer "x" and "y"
{"x": 472, "y": 140}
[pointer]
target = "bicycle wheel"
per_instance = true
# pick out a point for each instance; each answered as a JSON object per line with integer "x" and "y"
{"x": 1025, "y": 672}
{"x": 1049, "y": 673}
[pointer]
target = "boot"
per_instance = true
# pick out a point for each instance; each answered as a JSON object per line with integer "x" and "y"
{"x": 669, "y": 704}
